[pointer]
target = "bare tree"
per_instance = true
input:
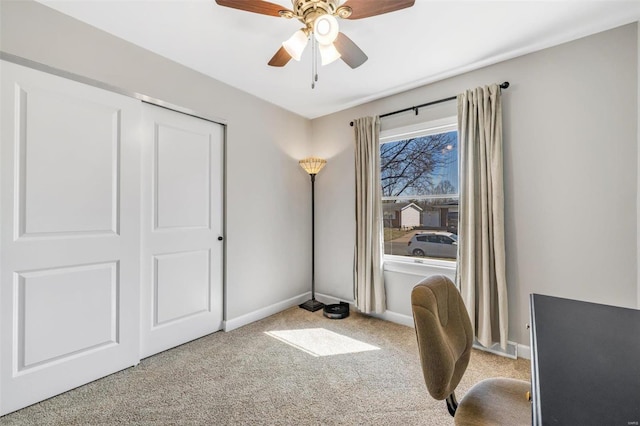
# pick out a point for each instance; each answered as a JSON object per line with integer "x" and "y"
{"x": 406, "y": 166}
{"x": 444, "y": 187}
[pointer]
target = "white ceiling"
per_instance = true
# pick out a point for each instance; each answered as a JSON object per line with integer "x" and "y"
{"x": 428, "y": 42}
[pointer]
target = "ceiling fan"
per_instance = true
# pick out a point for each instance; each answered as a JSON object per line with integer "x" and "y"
{"x": 319, "y": 20}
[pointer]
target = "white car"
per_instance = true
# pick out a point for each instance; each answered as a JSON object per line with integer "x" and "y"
{"x": 433, "y": 244}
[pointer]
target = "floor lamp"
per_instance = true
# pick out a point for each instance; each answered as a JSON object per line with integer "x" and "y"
{"x": 312, "y": 166}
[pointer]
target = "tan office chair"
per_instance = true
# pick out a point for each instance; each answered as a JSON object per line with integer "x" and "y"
{"x": 445, "y": 338}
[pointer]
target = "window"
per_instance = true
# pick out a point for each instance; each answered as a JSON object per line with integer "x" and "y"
{"x": 419, "y": 179}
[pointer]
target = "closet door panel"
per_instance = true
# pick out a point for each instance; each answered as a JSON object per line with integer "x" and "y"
{"x": 182, "y": 178}
{"x": 182, "y": 208}
{"x": 49, "y": 319}
{"x": 55, "y": 155}
{"x": 69, "y": 234}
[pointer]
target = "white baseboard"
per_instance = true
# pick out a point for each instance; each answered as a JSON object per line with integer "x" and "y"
{"x": 386, "y": 315}
{"x": 262, "y": 313}
{"x": 511, "y": 352}
{"x": 395, "y": 317}
{"x": 514, "y": 350}
{"x": 524, "y": 351}
{"x": 329, "y": 300}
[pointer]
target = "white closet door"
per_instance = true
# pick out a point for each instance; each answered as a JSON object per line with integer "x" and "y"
{"x": 69, "y": 235}
{"x": 182, "y": 210}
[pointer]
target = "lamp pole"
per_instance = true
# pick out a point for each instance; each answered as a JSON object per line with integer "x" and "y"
{"x": 312, "y": 304}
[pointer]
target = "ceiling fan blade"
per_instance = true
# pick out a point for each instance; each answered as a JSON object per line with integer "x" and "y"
{"x": 256, "y": 6}
{"x": 366, "y": 8}
{"x": 349, "y": 51}
{"x": 280, "y": 59}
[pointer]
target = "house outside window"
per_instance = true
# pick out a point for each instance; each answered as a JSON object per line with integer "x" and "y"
{"x": 419, "y": 183}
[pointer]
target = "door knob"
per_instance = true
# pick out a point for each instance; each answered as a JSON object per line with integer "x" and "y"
{"x": 220, "y": 238}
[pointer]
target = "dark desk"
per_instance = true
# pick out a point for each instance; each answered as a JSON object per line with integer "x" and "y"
{"x": 585, "y": 363}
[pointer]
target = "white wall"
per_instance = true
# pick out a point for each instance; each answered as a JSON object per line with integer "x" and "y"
{"x": 268, "y": 221}
{"x": 571, "y": 162}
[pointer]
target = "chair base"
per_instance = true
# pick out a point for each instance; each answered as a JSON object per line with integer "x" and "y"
{"x": 452, "y": 404}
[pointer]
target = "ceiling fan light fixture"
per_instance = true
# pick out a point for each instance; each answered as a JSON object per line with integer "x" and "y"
{"x": 325, "y": 29}
{"x": 328, "y": 53}
{"x": 295, "y": 44}
{"x": 319, "y": 20}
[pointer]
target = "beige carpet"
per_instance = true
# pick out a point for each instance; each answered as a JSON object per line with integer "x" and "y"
{"x": 247, "y": 377}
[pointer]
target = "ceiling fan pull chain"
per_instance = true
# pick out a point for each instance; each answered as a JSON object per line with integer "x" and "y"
{"x": 314, "y": 62}
{"x": 315, "y": 57}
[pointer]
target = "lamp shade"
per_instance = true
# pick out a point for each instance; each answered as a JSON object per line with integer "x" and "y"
{"x": 295, "y": 44}
{"x": 312, "y": 165}
{"x": 328, "y": 53}
{"x": 325, "y": 29}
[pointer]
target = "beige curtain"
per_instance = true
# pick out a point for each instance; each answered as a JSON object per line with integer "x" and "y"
{"x": 481, "y": 254}
{"x": 369, "y": 249}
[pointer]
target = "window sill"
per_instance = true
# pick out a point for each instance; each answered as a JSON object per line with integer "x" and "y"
{"x": 416, "y": 266}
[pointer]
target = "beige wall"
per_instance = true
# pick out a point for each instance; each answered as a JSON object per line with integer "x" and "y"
{"x": 571, "y": 162}
{"x": 267, "y": 192}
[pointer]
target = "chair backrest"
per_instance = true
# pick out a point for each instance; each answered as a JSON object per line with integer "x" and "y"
{"x": 444, "y": 333}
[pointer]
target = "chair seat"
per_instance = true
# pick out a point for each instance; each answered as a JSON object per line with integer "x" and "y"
{"x": 497, "y": 401}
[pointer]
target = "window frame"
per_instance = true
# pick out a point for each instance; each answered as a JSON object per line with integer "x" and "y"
{"x": 407, "y": 264}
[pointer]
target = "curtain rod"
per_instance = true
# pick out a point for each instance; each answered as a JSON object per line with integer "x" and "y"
{"x": 415, "y": 108}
